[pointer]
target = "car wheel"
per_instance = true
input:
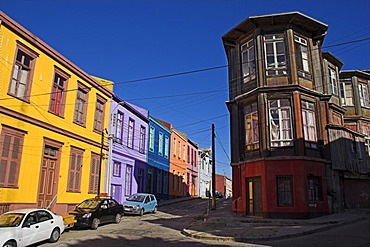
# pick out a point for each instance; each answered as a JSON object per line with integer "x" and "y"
{"x": 55, "y": 234}
{"x": 10, "y": 244}
{"x": 117, "y": 219}
{"x": 155, "y": 209}
{"x": 95, "y": 223}
{"x": 141, "y": 212}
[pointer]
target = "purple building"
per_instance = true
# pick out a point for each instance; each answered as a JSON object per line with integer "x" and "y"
{"x": 127, "y": 138}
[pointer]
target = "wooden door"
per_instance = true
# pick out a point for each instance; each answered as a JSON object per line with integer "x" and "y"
{"x": 254, "y": 196}
{"x": 46, "y": 183}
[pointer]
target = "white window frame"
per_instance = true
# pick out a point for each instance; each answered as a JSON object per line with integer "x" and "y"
{"x": 128, "y": 180}
{"x": 142, "y": 139}
{"x": 160, "y": 144}
{"x": 309, "y": 124}
{"x": 248, "y": 61}
{"x": 302, "y": 54}
{"x": 119, "y": 121}
{"x": 279, "y": 135}
{"x": 346, "y": 98}
{"x": 333, "y": 80}
{"x": 276, "y": 67}
{"x": 130, "y": 133}
{"x": 364, "y": 94}
{"x": 166, "y": 146}
{"x": 151, "y": 138}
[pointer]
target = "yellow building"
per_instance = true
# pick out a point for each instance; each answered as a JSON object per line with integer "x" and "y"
{"x": 52, "y": 120}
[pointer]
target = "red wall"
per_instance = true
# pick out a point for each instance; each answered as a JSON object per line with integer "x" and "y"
{"x": 268, "y": 170}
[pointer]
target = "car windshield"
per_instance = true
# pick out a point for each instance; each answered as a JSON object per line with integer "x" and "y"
{"x": 91, "y": 204}
{"x": 136, "y": 198}
{"x": 11, "y": 219}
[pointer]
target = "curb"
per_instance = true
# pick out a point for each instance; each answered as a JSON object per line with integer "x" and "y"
{"x": 207, "y": 236}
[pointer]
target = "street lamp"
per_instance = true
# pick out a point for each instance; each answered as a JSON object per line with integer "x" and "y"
{"x": 110, "y": 138}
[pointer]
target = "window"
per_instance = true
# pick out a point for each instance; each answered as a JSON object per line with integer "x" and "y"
{"x": 248, "y": 61}
{"x": 333, "y": 81}
{"x": 188, "y": 154}
{"x": 301, "y": 53}
{"x": 314, "y": 189}
{"x": 99, "y": 114}
{"x": 179, "y": 150}
{"x": 280, "y": 123}
{"x": 346, "y": 92}
{"x": 275, "y": 54}
{"x": 21, "y": 80}
{"x": 174, "y": 147}
{"x": 11, "y": 154}
{"x": 119, "y": 127}
{"x": 160, "y": 144}
{"x": 309, "y": 124}
{"x": 367, "y": 145}
{"x": 130, "y": 133}
{"x": 94, "y": 173}
{"x": 251, "y": 127}
{"x": 75, "y": 165}
{"x": 58, "y": 95}
{"x": 142, "y": 140}
{"x": 364, "y": 94}
{"x": 151, "y": 139}
{"x": 183, "y": 152}
{"x": 166, "y": 148}
{"x": 128, "y": 180}
{"x": 81, "y": 105}
{"x": 284, "y": 190}
{"x": 116, "y": 169}
{"x": 159, "y": 181}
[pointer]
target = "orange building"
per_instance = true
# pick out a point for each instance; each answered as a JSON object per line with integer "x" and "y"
{"x": 177, "y": 173}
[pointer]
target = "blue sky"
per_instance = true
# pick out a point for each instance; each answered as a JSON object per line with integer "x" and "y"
{"x": 126, "y": 41}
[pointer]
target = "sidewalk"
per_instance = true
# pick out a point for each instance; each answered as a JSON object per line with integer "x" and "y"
{"x": 221, "y": 225}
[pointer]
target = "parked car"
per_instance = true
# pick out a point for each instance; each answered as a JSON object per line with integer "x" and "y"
{"x": 140, "y": 203}
{"x": 95, "y": 211}
{"x": 29, "y": 226}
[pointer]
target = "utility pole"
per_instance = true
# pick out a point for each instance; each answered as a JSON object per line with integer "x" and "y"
{"x": 101, "y": 159}
{"x": 213, "y": 169}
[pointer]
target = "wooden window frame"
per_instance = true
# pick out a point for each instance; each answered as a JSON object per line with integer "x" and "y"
{"x": 31, "y": 69}
{"x": 94, "y": 173}
{"x": 130, "y": 133}
{"x": 99, "y": 114}
{"x": 128, "y": 180}
{"x": 58, "y": 107}
{"x": 74, "y": 184}
{"x": 9, "y": 158}
{"x": 151, "y": 138}
{"x": 142, "y": 139}
{"x": 81, "y": 112}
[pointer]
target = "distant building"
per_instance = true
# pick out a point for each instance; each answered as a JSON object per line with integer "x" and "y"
{"x": 298, "y": 134}
{"x": 178, "y": 165}
{"x": 192, "y": 179}
{"x": 223, "y": 185}
{"x": 205, "y": 171}
{"x": 159, "y": 157}
{"x": 52, "y": 118}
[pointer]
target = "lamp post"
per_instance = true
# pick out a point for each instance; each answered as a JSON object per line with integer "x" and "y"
{"x": 110, "y": 138}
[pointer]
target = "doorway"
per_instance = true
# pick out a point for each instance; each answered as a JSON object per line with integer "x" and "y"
{"x": 254, "y": 196}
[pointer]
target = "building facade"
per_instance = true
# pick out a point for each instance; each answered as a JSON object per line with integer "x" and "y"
{"x": 127, "y": 172}
{"x": 192, "y": 179}
{"x": 52, "y": 116}
{"x": 205, "y": 171}
{"x": 299, "y": 130}
{"x": 277, "y": 95}
{"x": 159, "y": 157}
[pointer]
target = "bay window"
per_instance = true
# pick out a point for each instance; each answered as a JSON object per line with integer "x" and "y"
{"x": 280, "y": 123}
{"x": 275, "y": 54}
{"x": 251, "y": 127}
{"x": 248, "y": 61}
{"x": 309, "y": 124}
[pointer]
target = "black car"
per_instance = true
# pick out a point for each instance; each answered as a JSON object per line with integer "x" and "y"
{"x": 95, "y": 211}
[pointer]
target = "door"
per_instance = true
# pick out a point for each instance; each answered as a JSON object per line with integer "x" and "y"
{"x": 254, "y": 196}
{"x": 47, "y": 189}
{"x": 117, "y": 192}
{"x": 30, "y": 230}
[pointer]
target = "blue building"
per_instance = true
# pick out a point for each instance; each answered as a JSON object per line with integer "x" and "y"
{"x": 158, "y": 159}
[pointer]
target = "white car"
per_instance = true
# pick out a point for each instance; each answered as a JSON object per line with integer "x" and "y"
{"x": 28, "y": 226}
